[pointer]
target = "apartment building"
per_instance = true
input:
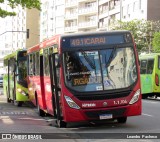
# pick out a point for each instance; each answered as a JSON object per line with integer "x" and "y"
{"x": 47, "y": 19}
{"x": 81, "y": 15}
{"x": 19, "y": 29}
{"x": 89, "y": 15}
{"x": 126, "y": 10}
{"x": 52, "y": 18}
{"x": 13, "y": 30}
{"x": 32, "y": 27}
{"x": 11, "y": 36}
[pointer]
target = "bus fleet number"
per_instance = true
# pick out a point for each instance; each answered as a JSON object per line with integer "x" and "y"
{"x": 120, "y": 102}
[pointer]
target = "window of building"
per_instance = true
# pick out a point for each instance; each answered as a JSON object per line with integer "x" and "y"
{"x": 90, "y": 4}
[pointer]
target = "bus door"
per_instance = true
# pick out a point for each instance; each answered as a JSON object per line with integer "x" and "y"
{"x": 55, "y": 78}
{"x": 47, "y": 81}
{"x": 8, "y": 82}
{"x": 11, "y": 79}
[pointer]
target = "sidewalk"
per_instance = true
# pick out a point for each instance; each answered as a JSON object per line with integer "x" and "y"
{"x": 3, "y": 98}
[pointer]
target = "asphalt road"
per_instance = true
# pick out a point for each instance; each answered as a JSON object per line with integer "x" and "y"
{"x": 24, "y": 119}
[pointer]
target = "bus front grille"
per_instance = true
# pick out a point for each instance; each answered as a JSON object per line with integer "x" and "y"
{"x": 103, "y": 96}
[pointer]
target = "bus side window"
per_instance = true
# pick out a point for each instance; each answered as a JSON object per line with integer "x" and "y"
{"x": 158, "y": 62}
{"x": 57, "y": 69}
{"x": 150, "y": 66}
{"x": 143, "y": 66}
{"x": 34, "y": 66}
{"x": 12, "y": 65}
{"x": 30, "y": 64}
{"x": 46, "y": 62}
{"x": 37, "y": 65}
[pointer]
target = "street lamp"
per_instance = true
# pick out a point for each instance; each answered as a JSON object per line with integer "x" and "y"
{"x": 27, "y": 32}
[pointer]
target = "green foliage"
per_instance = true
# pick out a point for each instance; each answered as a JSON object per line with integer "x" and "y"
{"x": 4, "y": 13}
{"x": 156, "y": 42}
{"x": 141, "y": 30}
{"x": 24, "y": 3}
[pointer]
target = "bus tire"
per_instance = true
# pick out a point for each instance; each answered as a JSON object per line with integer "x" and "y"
{"x": 8, "y": 99}
{"x": 144, "y": 96}
{"x": 40, "y": 111}
{"x": 19, "y": 103}
{"x": 61, "y": 124}
{"x": 122, "y": 119}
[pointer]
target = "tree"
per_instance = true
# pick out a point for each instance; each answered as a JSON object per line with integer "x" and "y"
{"x": 156, "y": 42}
{"x": 14, "y": 3}
{"x": 141, "y": 30}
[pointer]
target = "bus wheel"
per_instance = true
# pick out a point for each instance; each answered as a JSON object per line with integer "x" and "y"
{"x": 40, "y": 112}
{"x": 122, "y": 120}
{"x": 144, "y": 96}
{"x": 61, "y": 124}
{"x": 8, "y": 100}
{"x": 19, "y": 103}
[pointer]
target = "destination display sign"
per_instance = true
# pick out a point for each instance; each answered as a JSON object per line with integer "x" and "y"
{"x": 22, "y": 54}
{"x": 96, "y": 40}
{"x": 85, "y": 81}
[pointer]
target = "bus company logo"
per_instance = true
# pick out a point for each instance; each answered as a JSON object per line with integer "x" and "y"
{"x": 105, "y": 104}
{"x": 6, "y": 136}
{"x": 88, "y": 105}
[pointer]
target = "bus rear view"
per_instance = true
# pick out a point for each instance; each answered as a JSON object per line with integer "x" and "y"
{"x": 101, "y": 77}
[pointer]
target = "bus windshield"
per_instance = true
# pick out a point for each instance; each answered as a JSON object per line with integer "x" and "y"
{"x": 22, "y": 70}
{"x": 108, "y": 69}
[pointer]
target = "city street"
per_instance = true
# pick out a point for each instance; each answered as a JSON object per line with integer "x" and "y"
{"x": 24, "y": 119}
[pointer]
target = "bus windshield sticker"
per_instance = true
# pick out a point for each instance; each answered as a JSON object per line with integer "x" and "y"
{"x": 99, "y": 88}
{"x": 107, "y": 83}
{"x": 80, "y": 73}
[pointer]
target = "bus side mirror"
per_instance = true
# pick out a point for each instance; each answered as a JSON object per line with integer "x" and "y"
{"x": 57, "y": 60}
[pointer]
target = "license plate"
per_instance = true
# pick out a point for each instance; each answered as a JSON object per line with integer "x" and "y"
{"x": 105, "y": 116}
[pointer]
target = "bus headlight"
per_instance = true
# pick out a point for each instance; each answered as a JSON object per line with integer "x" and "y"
{"x": 71, "y": 103}
{"x": 22, "y": 92}
{"x": 135, "y": 97}
{"x": 19, "y": 90}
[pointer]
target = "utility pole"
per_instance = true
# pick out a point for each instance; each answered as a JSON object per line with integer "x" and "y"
{"x": 150, "y": 39}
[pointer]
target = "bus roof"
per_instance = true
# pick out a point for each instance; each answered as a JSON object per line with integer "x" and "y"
{"x": 33, "y": 48}
{"x": 95, "y": 33}
{"x": 13, "y": 54}
{"x": 151, "y": 55}
{"x": 56, "y": 39}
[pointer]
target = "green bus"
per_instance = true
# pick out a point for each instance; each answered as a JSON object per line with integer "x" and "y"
{"x": 15, "y": 77}
{"x": 150, "y": 74}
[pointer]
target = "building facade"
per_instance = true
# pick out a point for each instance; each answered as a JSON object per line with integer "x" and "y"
{"x": 32, "y": 27}
{"x": 71, "y": 16}
{"x": 14, "y": 32}
{"x": 81, "y": 15}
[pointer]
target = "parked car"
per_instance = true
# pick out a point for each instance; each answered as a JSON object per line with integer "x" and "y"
{"x": 1, "y": 81}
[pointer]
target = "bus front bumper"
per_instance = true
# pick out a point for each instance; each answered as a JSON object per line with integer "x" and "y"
{"x": 78, "y": 115}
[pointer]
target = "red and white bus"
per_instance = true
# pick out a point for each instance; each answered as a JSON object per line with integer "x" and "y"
{"x": 85, "y": 77}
